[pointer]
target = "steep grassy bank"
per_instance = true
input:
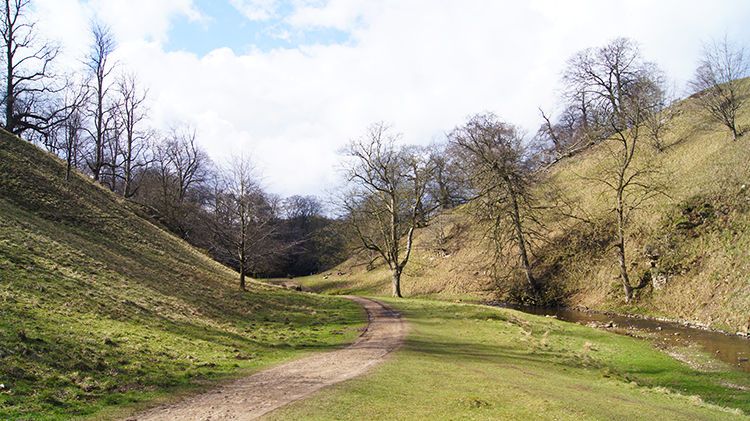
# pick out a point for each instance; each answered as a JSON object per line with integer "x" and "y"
{"x": 473, "y": 362}
{"x": 687, "y": 246}
{"x": 102, "y": 311}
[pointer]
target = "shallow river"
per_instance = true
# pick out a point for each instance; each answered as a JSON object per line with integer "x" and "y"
{"x": 731, "y": 349}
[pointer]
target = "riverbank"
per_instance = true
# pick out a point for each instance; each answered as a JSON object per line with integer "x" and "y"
{"x": 693, "y": 343}
{"x": 463, "y": 361}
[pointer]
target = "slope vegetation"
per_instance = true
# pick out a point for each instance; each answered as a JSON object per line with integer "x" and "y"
{"x": 100, "y": 307}
{"x": 687, "y": 245}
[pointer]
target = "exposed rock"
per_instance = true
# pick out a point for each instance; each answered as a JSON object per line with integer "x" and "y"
{"x": 659, "y": 279}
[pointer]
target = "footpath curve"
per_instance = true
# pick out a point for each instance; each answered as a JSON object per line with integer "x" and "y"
{"x": 267, "y": 390}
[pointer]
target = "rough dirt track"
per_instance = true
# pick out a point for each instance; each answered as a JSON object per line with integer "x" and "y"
{"x": 253, "y": 396}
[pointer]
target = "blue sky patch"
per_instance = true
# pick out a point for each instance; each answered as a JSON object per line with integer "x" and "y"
{"x": 228, "y": 27}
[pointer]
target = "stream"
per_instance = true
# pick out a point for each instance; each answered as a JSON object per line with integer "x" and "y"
{"x": 731, "y": 349}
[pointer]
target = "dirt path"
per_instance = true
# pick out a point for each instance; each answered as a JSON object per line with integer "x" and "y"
{"x": 263, "y": 392}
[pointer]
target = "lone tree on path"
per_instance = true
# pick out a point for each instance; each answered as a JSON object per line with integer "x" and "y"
{"x": 624, "y": 91}
{"x": 385, "y": 197}
{"x": 501, "y": 174}
{"x": 717, "y": 84}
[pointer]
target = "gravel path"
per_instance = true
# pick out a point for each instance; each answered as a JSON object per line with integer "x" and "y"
{"x": 265, "y": 391}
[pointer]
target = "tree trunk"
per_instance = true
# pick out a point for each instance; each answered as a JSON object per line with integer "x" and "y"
{"x": 242, "y": 260}
{"x": 396, "y": 278}
{"x": 243, "y": 215}
{"x": 395, "y": 266}
{"x": 9, "y": 88}
{"x": 624, "y": 271}
{"x": 522, "y": 242}
{"x": 68, "y": 168}
{"x": 621, "y": 252}
{"x": 128, "y": 169}
{"x": 525, "y": 260}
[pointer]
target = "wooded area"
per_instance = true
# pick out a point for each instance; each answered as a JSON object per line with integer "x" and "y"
{"x": 96, "y": 119}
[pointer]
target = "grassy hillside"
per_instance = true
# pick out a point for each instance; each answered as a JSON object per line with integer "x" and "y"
{"x": 688, "y": 245}
{"x": 101, "y": 307}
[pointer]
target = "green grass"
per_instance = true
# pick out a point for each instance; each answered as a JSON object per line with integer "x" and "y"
{"x": 468, "y": 362}
{"x": 102, "y": 312}
{"x": 76, "y": 336}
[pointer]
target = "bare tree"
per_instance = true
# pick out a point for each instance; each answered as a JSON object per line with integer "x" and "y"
{"x": 244, "y": 222}
{"x": 71, "y": 131}
{"x": 300, "y": 212}
{"x": 134, "y": 138}
{"x": 161, "y": 193}
{"x": 564, "y": 138}
{"x": 448, "y": 186}
{"x": 98, "y": 64}
{"x": 109, "y": 175}
{"x": 385, "y": 197}
{"x": 497, "y": 163}
{"x": 176, "y": 179}
{"x": 596, "y": 82}
{"x": 660, "y": 116}
{"x": 302, "y": 208}
{"x": 189, "y": 163}
{"x": 717, "y": 82}
{"x": 317, "y": 242}
{"x": 67, "y": 135}
{"x": 625, "y": 91}
{"x": 29, "y": 85}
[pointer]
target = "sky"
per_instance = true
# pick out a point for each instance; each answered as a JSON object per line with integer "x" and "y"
{"x": 291, "y": 82}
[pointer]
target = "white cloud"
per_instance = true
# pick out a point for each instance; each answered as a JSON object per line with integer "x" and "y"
{"x": 67, "y": 22}
{"x": 345, "y": 15}
{"x": 423, "y": 65}
{"x": 143, "y": 19}
{"x": 256, "y": 10}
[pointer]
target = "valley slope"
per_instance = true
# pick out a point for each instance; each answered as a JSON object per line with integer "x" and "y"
{"x": 101, "y": 309}
{"x": 688, "y": 245}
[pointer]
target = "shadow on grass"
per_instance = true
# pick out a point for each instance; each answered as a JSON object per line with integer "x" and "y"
{"x": 650, "y": 369}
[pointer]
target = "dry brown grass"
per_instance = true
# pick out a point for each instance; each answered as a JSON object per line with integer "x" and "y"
{"x": 705, "y": 268}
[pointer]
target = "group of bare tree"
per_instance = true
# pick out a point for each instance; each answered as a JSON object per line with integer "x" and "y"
{"x": 96, "y": 118}
{"x": 225, "y": 210}
{"x": 93, "y": 117}
{"x": 625, "y": 93}
{"x": 611, "y": 94}
{"x": 612, "y": 98}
